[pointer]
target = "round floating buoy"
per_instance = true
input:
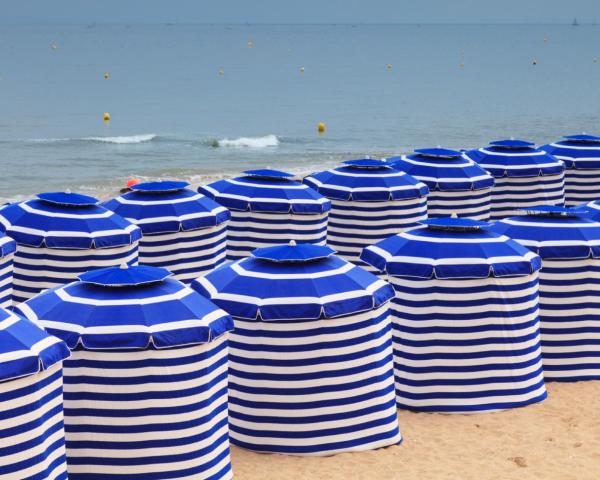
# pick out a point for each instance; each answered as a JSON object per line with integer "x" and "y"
{"x": 132, "y": 181}
{"x": 301, "y": 69}
{"x": 106, "y": 77}
{"x": 389, "y": 66}
{"x": 461, "y": 65}
{"x": 54, "y": 46}
{"x": 250, "y": 44}
{"x": 106, "y": 117}
{"x": 321, "y": 127}
{"x": 221, "y": 71}
{"x": 534, "y": 61}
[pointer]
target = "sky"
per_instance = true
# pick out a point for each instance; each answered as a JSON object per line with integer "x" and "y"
{"x": 294, "y": 11}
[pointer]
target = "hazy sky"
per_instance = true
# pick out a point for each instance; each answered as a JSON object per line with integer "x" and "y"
{"x": 294, "y": 11}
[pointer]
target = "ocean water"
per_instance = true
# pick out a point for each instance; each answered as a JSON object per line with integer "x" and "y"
{"x": 198, "y": 102}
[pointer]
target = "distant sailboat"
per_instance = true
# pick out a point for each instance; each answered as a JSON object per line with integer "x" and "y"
{"x": 575, "y": 23}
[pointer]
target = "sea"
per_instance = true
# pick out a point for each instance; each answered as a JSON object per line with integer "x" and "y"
{"x": 201, "y": 102}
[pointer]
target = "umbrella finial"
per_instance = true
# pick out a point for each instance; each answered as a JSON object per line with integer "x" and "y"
{"x": 68, "y": 190}
{"x": 454, "y": 215}
{"x": 124, "y": 266}
{"x": 368, "y": 157}
{"x": 292, "y": 243}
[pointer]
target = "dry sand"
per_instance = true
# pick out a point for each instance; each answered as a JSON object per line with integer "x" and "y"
{"x": 556, "y": 439}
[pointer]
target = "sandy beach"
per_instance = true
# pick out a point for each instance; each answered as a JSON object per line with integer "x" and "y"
{"x": 556, "y": 439}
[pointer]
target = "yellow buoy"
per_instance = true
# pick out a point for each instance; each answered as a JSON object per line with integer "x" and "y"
{"x": 106, "y": 77}
{"x": 389, "y": 66}
{"x": 301, "y": 69}
{"x": 321, "y": 127}
{"x": 461, "y": 65}
{"x": 221, "y": 71}
{"x": 106, "y": 117}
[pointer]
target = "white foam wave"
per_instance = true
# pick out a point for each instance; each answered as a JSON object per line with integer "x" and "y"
{"x": 250, "y": 142}
{"x": 145, "y": 137}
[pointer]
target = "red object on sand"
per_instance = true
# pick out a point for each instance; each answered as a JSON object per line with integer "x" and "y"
{"x": 132, "y": 181}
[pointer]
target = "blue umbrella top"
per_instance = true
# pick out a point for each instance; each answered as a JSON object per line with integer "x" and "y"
{"x": 366, "y": 180}
{"x": 267, "y": 191}
{"x": 294, "y": 282}
{"x": 7, "y": 245}
{"x": 589, "y": 210}
{"x": 554, "y": 232}
{"x": 127, "y": 308}
{"x": 66, "y": 220}
{"x": 167, "y": 207}
{"x": 25, "y": 348}
{"x": 577, "y": 151}
{"x": 451, "y": 248}
{"x": 443, "y": 170}
{"x": 516, "y": 158}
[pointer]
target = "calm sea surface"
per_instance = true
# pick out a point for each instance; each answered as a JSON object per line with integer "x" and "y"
{"x": 200, "y": 102}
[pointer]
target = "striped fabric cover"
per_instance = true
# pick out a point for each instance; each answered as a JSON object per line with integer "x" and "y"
{"x": 368, "y": 204}
{"x": 525, "y": 176}
{"x": 59, "y": 238}
{"x": 457, "y": 185}
{"x": 7, "y": 253}
{"x": 269, "y": 210}
{"x": 466, "y": 337}
{"x": 581, "y": 155}
{"x": 183, "y": 231}
{"x": 146, "y": 386}
{"x": 310, "y": 372}
{"x": 569, "y": 291}
{"x": 32, "y": 436}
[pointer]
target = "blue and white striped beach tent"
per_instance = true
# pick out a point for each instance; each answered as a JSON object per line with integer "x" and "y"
{"x": 465, "y": 317}
{"x": 182, "y": 230}
{"x": 370, "y": 201}
{"x": 61, "y": 235}
{"x": 7, "y": 254}
{"x": 146, "y": 385}
{"x": 32, "y": 432}
{"x": 311, "y": 369}
{"x": 525, "y": 176}
{"x": 581, "y": 156}
{"x": 268, "y": 208}
{"x": 457, "y": 185}
{"x": 569, "y": 245}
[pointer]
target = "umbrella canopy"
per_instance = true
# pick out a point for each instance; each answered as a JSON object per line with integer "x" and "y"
{"x": 569, "y": 244}
{"x": 310, "y": 363}
{"x": 148, "y": 368}
{"x": 266, "y": 191}
{"x": 167, "y": 207}
{"x": 316, "y": 284}
{"x": 31, "y": 417}
{"x": 457, "y": 184}
{"x": 451, "y": 248}
{"x": 465, "y": 315}
{"x": 366, "y": 180}
{"x": 67, "y": 221}
{"x": 525, "y": 176}
{"x": 183, "y": 231}
{"x": 589, "y": 210}
{"x": 127, "y": 307}
{"x": 581, "y": 155}
{"x": 268, "y": 208}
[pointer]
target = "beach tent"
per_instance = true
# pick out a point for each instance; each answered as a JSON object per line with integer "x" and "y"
{"x": 32, "y": 434}
{"x": 457, "y": 185}
{"x": 7, "y": 253}
{"x": 267, "y": 208}
{"x": 569, "y": 245}
{"x": 60, "y": 235}
{"x": 465, "y": 317}
{"x": 146, "y": 385}
{"x": 525, "y": 176}
{"x": 311, "y": 355}
{"x": 370, "y": 201}
{"x": 182, "y": 230}
{"x": 581, "y": 156}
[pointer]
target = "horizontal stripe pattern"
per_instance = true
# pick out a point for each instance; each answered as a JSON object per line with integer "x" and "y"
{"x": 570, "y": 319}
{"x": 151, "y": 414}
{"x": 356, "y": 225}
{"x": 32, "y": 434}
{"x": 248, "y": 230}
{"x": 581, "y": 186}
{"x": 313, "y": 387}
{"x": 467, "y": 345}
{"x": 37, "y": 269}
{"x": 187, "y": 255}
{"x": 473, "y": 204}
{"x": 6, "y": 280}
{"x": 511, "y": 195}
